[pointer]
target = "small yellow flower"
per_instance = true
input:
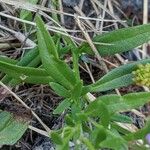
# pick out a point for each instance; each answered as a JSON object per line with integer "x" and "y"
{"x": 142, "y": 75}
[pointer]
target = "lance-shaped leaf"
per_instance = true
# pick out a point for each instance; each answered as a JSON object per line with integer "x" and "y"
{"x": 109, "y": 138}
{"x": 99, "y": 109}
{"x": 114, "y": 141}
{"x": 51, "y": 47}
{"x": 59, "y": 89}
{"x": 116, "y": 103}
{"x": 118, "y": 77}
{"x": 121, "y": 118}
{"x": 33, "y": 80}
{"x": 65, "y": 104}
{"x": 25, "y": 74}
{"x": 17, "y": 79}
{"x": 55, "y": 67}
{"x": 11, "y": 129}
{"x": 121, "y": 40}
{"x": 76, "y": 92}
{"x": 28, "y": 71}
{"x": 30, "y": 59}
{"x": 7, "y": 59}
{"x": 115, "y": 83}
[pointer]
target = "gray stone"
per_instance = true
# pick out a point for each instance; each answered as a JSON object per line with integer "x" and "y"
{"x": 71, "y": 3}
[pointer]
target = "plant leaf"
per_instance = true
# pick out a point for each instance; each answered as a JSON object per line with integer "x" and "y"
{"x": 76, "y": 92}
{"x": 59, "y": 89}
{"x": 114, "y": 141}
{"x": 98, "y": 109}
{"x": 11, "y": 130}
{"x": 51, "y": 48}
{"x": 118, "y": 77}
{"x": 56, "y": 138}
{"x": 122, "y": 70}
{"x": 56, "y": 68}
{"x": 30, "y": 59}
{"x": 7, "y": 59}
{"x": 116, "y": 103}
{"x": 14, "y": 69}
{"x": 24, "y": 74}
{"x": 98, "y": 135}
{"x": 24, "y": 14}
{"x": 115, "y": 83}
{"x": 140, "y": 134}
{"x": 122, "y": 40}
{"x": 121, "y": 118}
{"x": 62, "y": 106}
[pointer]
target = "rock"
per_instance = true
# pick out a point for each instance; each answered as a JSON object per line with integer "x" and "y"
{"x": 43, "y": 143}
{"x": 135, "y": 4}
{"x": 70, "y": 2}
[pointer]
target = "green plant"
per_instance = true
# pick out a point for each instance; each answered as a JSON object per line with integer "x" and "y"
{"x": 92, "y": 125}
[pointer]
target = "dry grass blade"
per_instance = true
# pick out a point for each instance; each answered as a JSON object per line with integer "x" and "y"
{"x": 91, "y": 45}
{"x": 19, "y": 36}
{"x": 34, "y": 8}
{"x": 107, "y": 11}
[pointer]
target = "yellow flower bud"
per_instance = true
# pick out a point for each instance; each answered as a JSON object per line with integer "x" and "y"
{"x": 142, "y": 75}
